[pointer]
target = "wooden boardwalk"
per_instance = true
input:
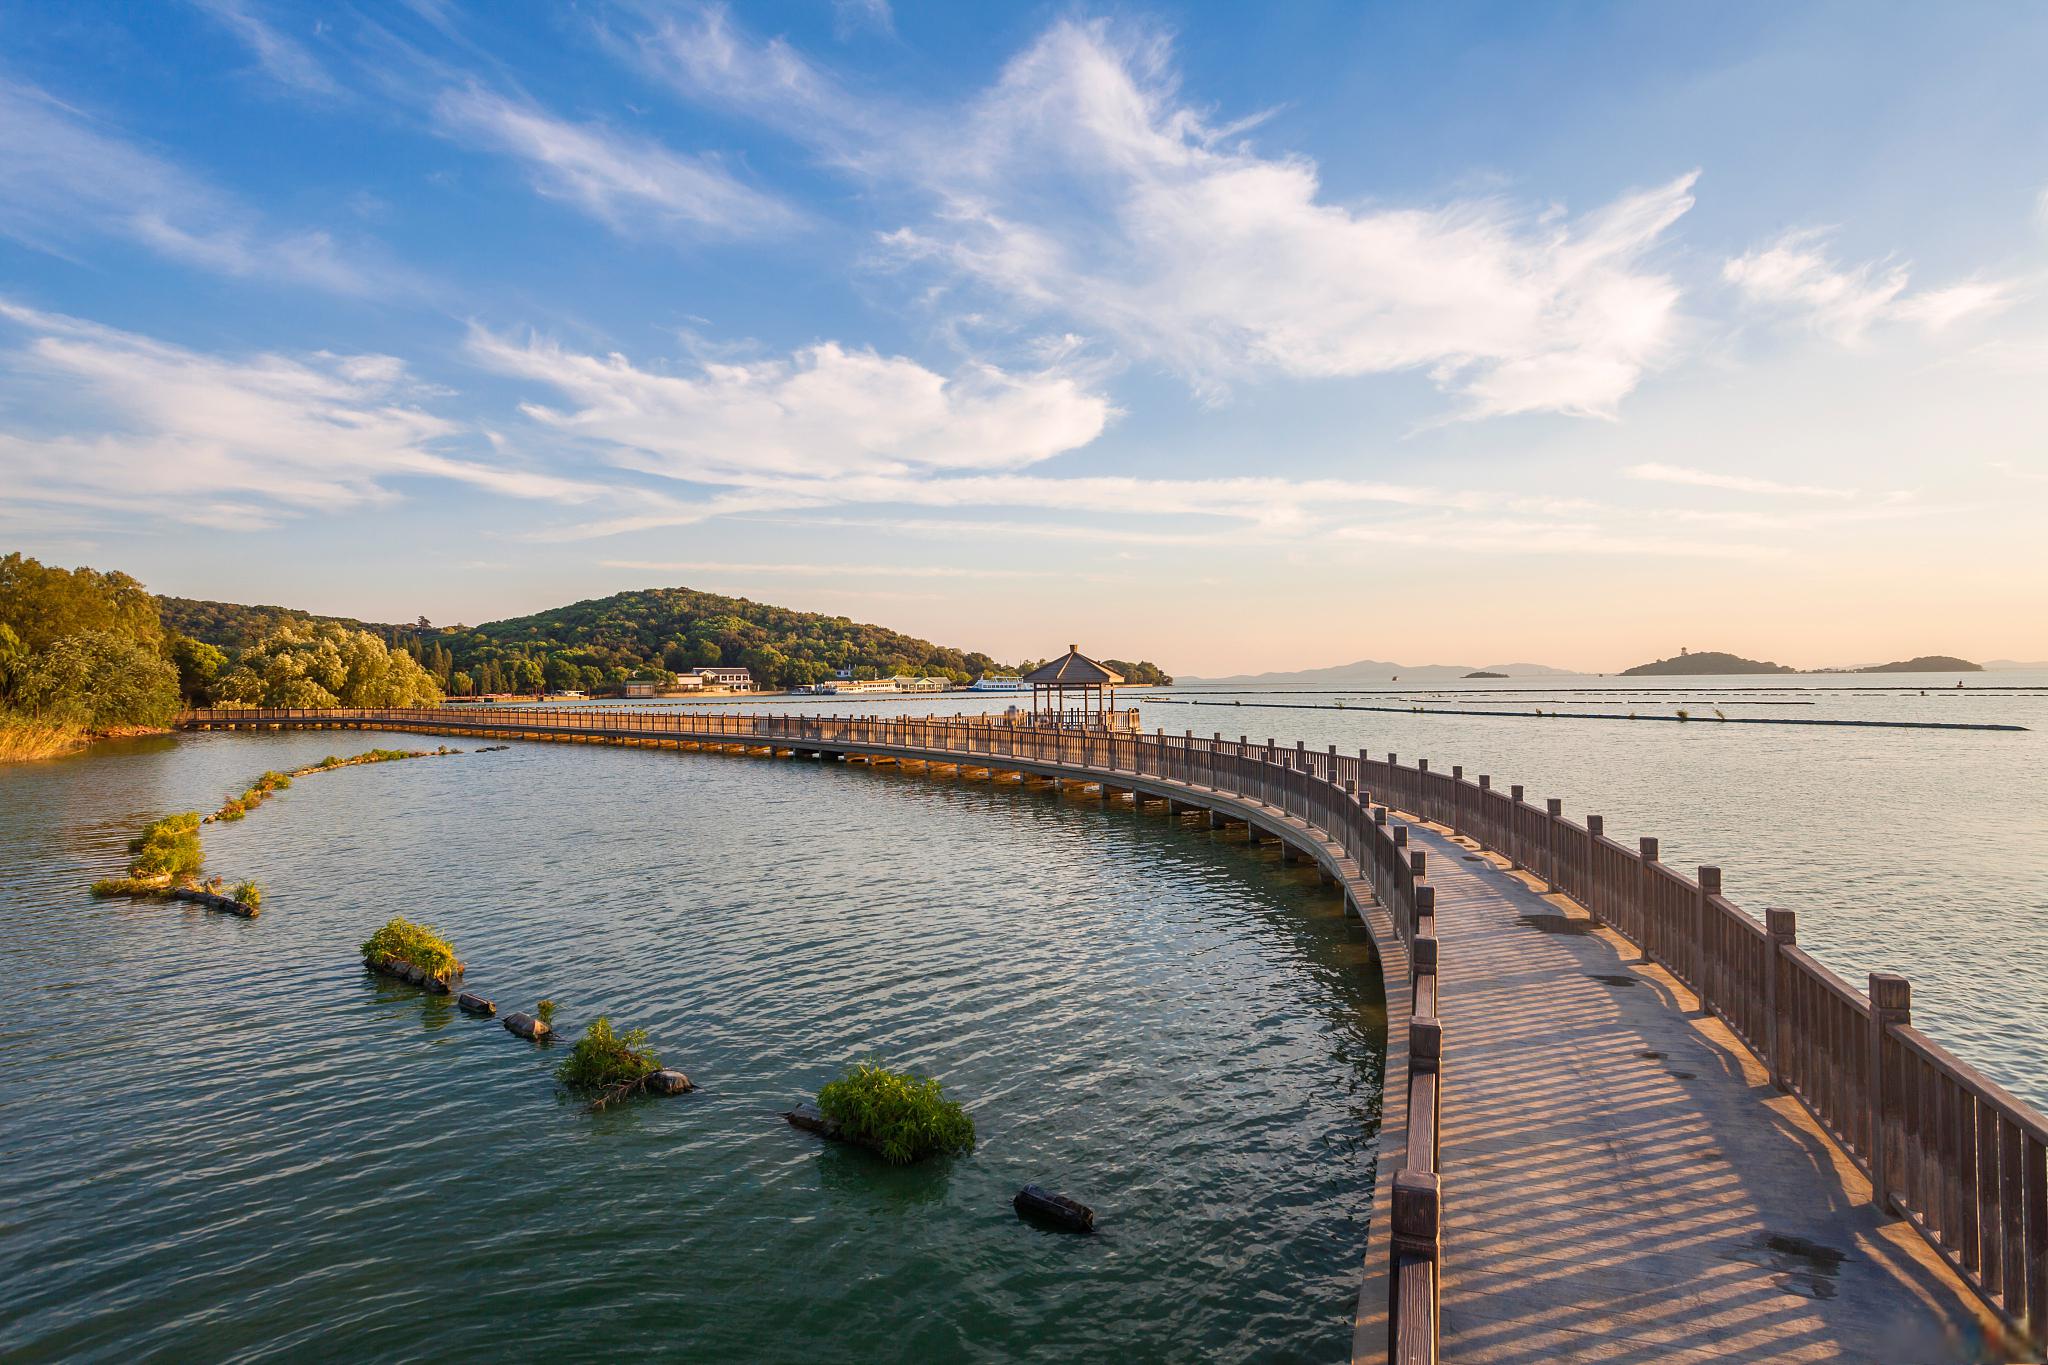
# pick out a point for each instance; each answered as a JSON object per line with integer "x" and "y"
{"x": 1629, "y": 1185}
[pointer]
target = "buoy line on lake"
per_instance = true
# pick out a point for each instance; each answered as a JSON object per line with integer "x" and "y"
{"x": 1597, "y": 715}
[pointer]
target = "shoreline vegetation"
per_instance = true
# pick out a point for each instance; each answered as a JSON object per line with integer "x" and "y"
{"x": 86, "y": 656}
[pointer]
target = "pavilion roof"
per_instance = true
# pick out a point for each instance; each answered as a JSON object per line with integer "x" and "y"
{"x": 1073, "y": 669}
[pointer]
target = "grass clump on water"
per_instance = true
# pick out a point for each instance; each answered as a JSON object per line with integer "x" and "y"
{"x": 902, "y": 1117}
{"x": 400, "y": 938}
{"x": 166, "y": 855}
{"x": 608, "y": 1063}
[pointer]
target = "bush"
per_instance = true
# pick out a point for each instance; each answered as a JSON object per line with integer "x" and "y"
{"x": 167, "y": 849}
{"x": 414, "y": 943}
{"x": 903, "y": 1117}
{"x": 545, "y": 1012}
{"x": 249, "y": 894}
{"x": 603, "y": 1059}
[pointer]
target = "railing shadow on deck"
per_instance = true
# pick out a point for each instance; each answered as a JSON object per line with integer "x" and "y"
{"x": 1963, "y": 1161}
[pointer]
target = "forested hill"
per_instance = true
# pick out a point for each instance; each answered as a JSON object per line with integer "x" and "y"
{"x": 231, "y": 626}
{"x": 669, "y": 629}
{"x": 602, "y": 642}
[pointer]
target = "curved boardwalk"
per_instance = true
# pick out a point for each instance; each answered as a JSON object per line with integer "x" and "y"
{"x": 1599, "y": 1168}
{"x": 1629, "y": 1186}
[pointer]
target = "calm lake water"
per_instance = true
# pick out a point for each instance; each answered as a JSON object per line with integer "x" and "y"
{"x": 225, "y": 1141}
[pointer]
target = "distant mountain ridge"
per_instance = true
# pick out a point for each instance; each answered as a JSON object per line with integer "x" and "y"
{"x": 1380, "y": 670}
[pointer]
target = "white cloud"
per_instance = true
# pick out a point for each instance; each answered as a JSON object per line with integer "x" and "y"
{"x": 1796, "y": 276}
{"x": 1085, "y": 187}
{"x": 63, "y": 174}
{"x": 283, "y": 58}
{"x": 1082, "y": 186}
{"x": 127, "y": 423}
{"x": 1735, "y": 483}
{"x": 632, "y": 184}
{"x": 825, "y": 412}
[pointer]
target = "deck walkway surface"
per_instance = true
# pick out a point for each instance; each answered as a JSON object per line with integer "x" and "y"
{"x": 1626, "y": 1183}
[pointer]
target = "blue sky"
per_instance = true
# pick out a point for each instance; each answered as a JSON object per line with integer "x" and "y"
{"x": 1228, "y": 336}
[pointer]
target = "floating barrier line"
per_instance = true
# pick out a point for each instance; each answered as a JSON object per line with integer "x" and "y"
{"x": 1597, "y": 715}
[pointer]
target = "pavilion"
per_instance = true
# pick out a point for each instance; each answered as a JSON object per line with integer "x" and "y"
{"x": 1073, "y": 691}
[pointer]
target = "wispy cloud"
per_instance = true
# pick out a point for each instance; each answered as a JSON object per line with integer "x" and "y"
{"x": 285, "y": 59}
{"x": 826, "y": 570}
{"x": 633, "y": 184}
{"x": 1083, "y": 187}
{"x": 1796, "y": 276}
{"x": 850, "y": 17}
{"x": 121, "y": 422}
{"x": 66, "y": 177}
{"x": 1734, "y": 483}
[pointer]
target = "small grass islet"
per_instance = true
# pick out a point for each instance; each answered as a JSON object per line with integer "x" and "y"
{"x": 164, "y": 857}
{"x": 606, "y": 1063}
{"x": 904, "y": 1118}
{"x": 402, "y": 943}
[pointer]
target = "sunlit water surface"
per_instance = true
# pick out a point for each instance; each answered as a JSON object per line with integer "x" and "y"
{"x": 223, "y": 1140}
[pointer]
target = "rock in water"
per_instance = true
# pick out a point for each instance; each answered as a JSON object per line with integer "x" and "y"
{"x": 1040, "y": 1205}
{"x": 526, "y": 1026}
{"x": 473, "y": 1003}
{"x": 669, "y": 1082}
{"x": 807, "y": 1117}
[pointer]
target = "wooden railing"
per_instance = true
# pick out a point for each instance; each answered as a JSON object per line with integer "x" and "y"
{"x": 1962, "y": 1160}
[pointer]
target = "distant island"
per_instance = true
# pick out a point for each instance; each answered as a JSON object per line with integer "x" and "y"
{"x": 1710, "y": 663}
{"x": 1704, "y": 664}
{"x": 1482, "y": 673}
{"x": 1926, "y": 663}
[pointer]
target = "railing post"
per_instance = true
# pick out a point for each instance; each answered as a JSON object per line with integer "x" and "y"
{"x": 1780, "y": 933}
{"x": 1646, "y": 855}
{"x": 1891, "y": 1002}
{"x": 1417, "y": 1240}
{"x": 1514, "y": 849}
{"x": 1554, "y": 808}
{"x": 1710, "y": 886}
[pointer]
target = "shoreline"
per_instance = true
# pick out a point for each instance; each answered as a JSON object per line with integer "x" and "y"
{"x": 28, "y": 741}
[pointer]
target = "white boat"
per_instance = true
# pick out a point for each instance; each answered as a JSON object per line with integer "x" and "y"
{"x": 996, "y": 682}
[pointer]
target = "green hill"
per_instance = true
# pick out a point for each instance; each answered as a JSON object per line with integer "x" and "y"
{"x": 1705, "y": 664}
{"x": 602, "y": 642}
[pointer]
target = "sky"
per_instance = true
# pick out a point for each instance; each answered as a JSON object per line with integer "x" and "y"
{"x": 1234, "y": 337}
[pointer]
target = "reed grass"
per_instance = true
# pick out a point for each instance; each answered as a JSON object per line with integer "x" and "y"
{"x": 400, "y": 938}
{"x": 903, "y": 1117}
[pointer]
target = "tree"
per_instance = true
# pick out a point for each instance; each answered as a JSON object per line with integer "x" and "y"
{"x": 327, "y": 665}
{"x": 43, "y": 604}
{"x": 98, "y": 680}
{"x": 461, "y": 684}
{"x": 199, "y": 667}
